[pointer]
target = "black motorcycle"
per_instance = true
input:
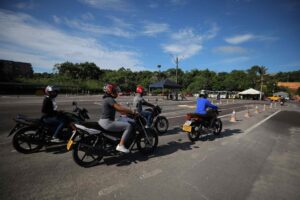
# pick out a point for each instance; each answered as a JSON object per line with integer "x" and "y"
{"x": 31, "y": 134}
{"x": 160, "y": 123}
{"x": 91, "y": 142}
{"x": 197, "y": 125}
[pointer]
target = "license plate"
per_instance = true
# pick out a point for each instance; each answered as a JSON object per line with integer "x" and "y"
{"x": 187, "y": 128}
{"x": 188, "y": 123}
{"x": 70, "y": 143}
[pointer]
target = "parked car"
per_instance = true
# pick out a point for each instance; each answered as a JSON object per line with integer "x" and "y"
{"x": 274, "y": 98}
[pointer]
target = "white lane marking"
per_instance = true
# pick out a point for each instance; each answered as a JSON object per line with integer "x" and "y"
{"x": 259, "y": 123}
{"x": 110, "y": 189}
{"x": 13, "y": 151}
{"x": 151, "y": 174}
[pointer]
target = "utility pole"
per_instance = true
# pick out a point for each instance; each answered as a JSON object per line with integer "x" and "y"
{"x": 177, "y": 69}
{"x": 261, "y": 86}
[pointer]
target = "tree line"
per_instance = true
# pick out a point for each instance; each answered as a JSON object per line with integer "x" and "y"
{"x": 89, "y": 77}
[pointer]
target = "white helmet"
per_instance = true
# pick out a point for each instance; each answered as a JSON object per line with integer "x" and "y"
{"x": 51, "y": 91}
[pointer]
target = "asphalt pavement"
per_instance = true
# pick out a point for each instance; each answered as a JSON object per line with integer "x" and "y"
{"x": 254, "y": 158}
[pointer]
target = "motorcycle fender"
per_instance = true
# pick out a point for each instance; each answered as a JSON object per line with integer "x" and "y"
{"x": 17, "y": 126}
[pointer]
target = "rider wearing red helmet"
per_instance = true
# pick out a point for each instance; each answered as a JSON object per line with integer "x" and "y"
{"x": 108, "y": 111}
{"x": 138, "y": 103}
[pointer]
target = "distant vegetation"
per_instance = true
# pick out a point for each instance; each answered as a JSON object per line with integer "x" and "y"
{"x": 89, "y": 77}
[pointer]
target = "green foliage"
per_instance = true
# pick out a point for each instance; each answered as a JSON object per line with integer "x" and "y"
{"x": 89, "y": 77}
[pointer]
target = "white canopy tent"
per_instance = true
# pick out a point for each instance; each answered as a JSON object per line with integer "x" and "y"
{"x": 250, "y": 94}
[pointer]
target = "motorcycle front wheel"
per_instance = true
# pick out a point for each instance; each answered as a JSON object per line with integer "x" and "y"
{"x": 26, "y": 140}
{"x": 161, "y": 124}
{"x": 85, "y": 154}
{"x": 147, "y": 145}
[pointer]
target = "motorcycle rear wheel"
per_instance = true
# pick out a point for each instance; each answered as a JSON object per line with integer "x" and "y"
{"x": 218, "y": 127}
{"x": 161, "y": 124}
{"x": 85, "y": 154}
{"x": 194, "y": 135}
{"x": 146, "y": 146}
{"x": 26, "y": 140}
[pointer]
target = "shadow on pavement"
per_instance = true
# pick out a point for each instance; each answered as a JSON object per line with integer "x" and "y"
{"x": 165, "y": 149}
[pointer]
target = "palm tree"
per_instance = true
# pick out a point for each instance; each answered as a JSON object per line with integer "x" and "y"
{"x": 261, "y": 71}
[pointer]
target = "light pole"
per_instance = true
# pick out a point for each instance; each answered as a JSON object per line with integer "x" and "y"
{"x": 158, "y": 66}
{"x": 177, "y": 70}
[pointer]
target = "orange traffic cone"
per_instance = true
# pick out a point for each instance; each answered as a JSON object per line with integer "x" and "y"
{"x": 247, "y": 114}
{"x": 233, "y": 116}
{"x": 256, "y": 110}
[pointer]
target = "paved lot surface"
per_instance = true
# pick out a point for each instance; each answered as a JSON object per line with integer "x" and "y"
{"x": 255, "y": 158}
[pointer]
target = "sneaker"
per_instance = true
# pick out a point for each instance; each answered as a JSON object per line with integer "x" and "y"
{"x": 121, "y": 148}
{"x": 56, "y": 140}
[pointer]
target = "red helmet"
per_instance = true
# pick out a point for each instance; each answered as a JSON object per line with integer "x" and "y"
{"x": 139, "y": 89}
{"x": 111, "y": 88}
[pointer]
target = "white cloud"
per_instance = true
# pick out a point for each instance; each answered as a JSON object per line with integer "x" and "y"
{"x": 178, "y": 2}
{"x": 87, "y": 16}
{"x": 230, "y": 49}
{"x": 56, "y": 19}
{"x": 118, "y": 5}
{"x": 25, "y": 5}
{"x": 238, "y": 39}
{"x": 118, "y": 27}
{"x": 152, "y": 29}
{"x": 186, "y": 43}
{"x": 44, "y": 45}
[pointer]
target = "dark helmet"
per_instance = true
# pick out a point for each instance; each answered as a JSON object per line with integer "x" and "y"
{"x": 111, "y": 89}
{"x": 51, "y": 91}
{"x": 203, "y": 95}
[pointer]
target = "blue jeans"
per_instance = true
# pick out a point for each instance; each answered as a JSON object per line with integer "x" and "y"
{"x": 148, "y": 116}
{"x": 56, "y": 122}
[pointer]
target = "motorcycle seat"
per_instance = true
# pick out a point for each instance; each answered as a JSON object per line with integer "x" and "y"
{"x": 95, "y": 125}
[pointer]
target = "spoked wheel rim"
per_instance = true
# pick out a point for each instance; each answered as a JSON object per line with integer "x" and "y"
{"x": 162, "y": 125}
{"x": 85, "y": 154}
{"x": 148, "y": 144}
{"x": 218, "y": 127}
{"x": 27, "y": 141}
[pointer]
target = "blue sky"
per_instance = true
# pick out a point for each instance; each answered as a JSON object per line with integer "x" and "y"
{"x": 221, "y": 35}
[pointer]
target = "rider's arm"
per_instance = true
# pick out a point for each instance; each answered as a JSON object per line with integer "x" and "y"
{"x": 122, "y": 109}
{"x": 144, "y": 102}
{"x": 208, "y": 104}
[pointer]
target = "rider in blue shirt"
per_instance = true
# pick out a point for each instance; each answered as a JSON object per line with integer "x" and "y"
{"x": 202, "y": 105}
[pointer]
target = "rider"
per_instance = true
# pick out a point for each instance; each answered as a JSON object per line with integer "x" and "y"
{"x": 138, "y": 103}
{"x": 51, "y": 115}
{"x": 108, "y": 111}
{"x": 202, "y": 105}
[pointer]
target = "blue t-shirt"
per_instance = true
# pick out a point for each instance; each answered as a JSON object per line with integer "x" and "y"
{"x": 202, "y": 104}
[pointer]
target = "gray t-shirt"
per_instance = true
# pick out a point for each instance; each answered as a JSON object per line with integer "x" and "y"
{"x": 108, "y": 111}
{"x": 138, "y": 103}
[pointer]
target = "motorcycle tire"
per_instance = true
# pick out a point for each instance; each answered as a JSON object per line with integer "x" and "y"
{"x": 161, "y": 124}
{"x": 26, "y": 140}
{"x": 194, "y": 135}
{"x": 146, "y": 146}
{"x": 218, "y": 127}
{"x": 84, "y": 149}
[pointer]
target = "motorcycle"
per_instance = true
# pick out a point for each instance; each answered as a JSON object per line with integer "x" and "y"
{"x": 90, "y": 142}
{"x": 160, "y": 123}
{"x": 197, "y": 125}
{"x": 31, "y": 134}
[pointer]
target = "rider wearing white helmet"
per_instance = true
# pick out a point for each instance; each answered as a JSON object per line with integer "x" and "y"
{"x": 51, "y": 115}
